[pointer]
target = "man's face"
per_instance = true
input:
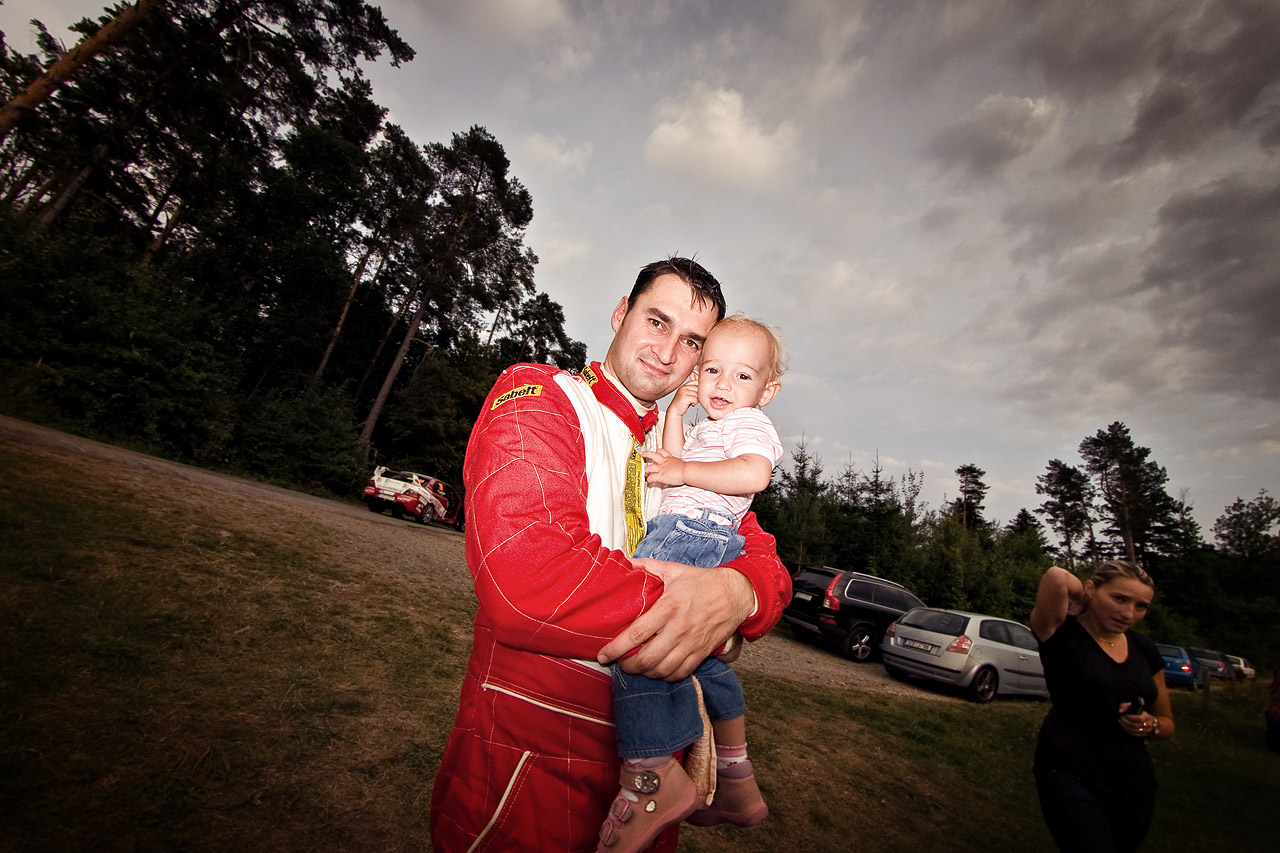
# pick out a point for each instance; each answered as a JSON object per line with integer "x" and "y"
{"x": 657, "y": 339}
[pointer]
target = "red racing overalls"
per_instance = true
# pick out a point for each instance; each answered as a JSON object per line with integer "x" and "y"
{"x": 531, "y": 762}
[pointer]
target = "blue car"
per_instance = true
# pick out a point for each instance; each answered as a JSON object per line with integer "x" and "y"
{"x": 1180, "y": 670}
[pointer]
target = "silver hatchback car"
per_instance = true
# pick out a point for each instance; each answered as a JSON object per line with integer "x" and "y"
{"x": 984, "y": 655}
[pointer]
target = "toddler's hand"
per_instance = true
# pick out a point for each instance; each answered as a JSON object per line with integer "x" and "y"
{"x": 662, "y": 470}
{"x": 685, "y": 399}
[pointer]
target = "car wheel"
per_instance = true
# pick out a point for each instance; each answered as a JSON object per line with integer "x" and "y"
{"x": 895, "y": 673}
{"x": 428, "y": 514}
{"x": 984, "y": 685}
{"x": 375, "y": 506}
{"x": 859, "y": 644}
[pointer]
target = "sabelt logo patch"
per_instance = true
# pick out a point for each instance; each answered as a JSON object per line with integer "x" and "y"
{"x": 517, "y": 393}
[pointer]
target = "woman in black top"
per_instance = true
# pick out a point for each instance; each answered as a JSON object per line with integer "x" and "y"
{"x": 1094, "y": 777}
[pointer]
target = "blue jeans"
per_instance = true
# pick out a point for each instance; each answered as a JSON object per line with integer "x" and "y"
{"x": 1092, "y": 815}
{"x": 700, "y": 542}
{"x": 652, "y": 717}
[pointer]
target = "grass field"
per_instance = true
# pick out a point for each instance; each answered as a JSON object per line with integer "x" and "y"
{"x": 170, "y": 683}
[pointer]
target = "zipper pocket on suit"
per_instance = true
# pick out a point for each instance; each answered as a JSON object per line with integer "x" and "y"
{"x": 515, "y": 694}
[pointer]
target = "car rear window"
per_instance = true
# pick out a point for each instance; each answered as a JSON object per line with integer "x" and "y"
{"x": 1022, "y": 637}
{"x": 887, "y": 596}
{"x": 1169, "y": 651}
{"x": 993, "y": 630}
{"x": 859, "y": 589}
{"x": 937, "y": 621}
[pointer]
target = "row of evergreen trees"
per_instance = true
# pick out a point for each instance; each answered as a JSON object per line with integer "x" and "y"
{"x": 214, "y": 245}
{"x": 1113, "y": 504}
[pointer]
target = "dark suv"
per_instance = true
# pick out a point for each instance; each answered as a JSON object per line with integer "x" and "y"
{"x": 1215, "y": 662}
{"x": 847, "y": 608}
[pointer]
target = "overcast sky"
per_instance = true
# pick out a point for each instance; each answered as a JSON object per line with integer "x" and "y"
{"x": 986, "y": 229}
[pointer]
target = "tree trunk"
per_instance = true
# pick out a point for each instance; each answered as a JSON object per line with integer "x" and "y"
{"x": 377, "y": 353}
{"x": 50, "y": 213}
{"x": 376, "y": 410}
{"x": 1125, "y": 520}
{"x": 342, "y": 317}
{"x": 385, "y": 391}
{"x": 163, "y": 237}
{"x": 40, "y": 192}
{"x": 70, "y": 62}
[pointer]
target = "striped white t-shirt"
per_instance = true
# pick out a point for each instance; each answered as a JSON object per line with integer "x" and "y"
{"x": 742, "y": 431}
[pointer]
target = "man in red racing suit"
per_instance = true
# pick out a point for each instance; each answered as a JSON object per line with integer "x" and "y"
{"x": 531, "y": 762}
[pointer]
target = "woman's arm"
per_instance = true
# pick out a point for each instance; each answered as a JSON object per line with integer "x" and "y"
{"x": 1061, "y": 594}
{"x": 1162, "y": 711}
{"x": 1156, "y": 724}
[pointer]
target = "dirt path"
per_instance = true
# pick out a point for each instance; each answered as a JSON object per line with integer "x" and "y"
{"x": 349, "y": 532}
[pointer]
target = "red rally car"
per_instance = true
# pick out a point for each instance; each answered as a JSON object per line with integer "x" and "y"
{"x": 422, "y": 498}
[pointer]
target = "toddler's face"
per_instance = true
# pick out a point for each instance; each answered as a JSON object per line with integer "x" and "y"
{"x": 734, "y": 371}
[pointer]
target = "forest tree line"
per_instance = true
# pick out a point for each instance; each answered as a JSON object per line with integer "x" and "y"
{"x": 1112, "y": 503}
{"x": 215, "y": 247}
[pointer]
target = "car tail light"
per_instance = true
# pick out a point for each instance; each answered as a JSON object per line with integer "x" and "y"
{"x": 960, "y": 644}
{"x": 1186, "y": 667}
{"x": 829, "y": 600}
{"x": 888, "y": 632}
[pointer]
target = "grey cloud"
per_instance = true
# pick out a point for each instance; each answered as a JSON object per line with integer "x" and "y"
{"x": 1053, "y": 223}
{"x": 1221, "y": 73}
{"x": 1215, "y": 268}
{"x": 1091, "y": 47}
{"x": 1192, "y": 71}
{"x": 1000, "y": 130}
{"x": 941, "y": 216}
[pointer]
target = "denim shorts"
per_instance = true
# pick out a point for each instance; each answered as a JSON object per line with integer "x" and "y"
{"x": 700, "y": 542}
{"x": 653, "y": 717}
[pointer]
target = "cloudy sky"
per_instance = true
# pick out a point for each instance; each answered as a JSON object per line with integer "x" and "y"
{"x": 987, "y": 228}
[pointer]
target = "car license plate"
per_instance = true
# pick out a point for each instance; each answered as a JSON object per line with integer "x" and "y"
{"x": 803, "y": 596}
{"x": 916, "y": 644}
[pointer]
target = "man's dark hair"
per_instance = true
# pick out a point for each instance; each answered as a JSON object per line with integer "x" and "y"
{"x": 704, "y": 285}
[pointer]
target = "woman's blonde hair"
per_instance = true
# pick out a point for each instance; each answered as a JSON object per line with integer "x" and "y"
{"x": 779, "y": 355}
{"x": 1112, "y": 569}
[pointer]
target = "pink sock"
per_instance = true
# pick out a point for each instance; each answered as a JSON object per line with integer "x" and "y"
{"x": 727, "y": 756}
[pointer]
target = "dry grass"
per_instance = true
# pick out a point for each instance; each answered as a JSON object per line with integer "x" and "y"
{"x": 172, "y": 684}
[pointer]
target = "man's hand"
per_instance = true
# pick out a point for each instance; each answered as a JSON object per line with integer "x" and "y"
{"x": 698, "y": 611}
